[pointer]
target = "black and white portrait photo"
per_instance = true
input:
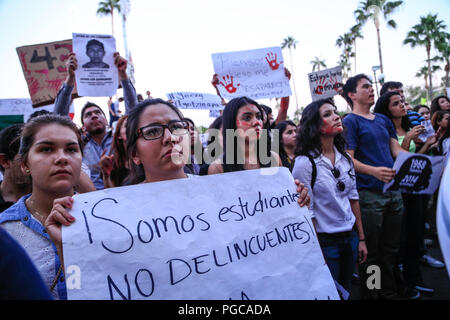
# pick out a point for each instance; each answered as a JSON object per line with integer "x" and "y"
{"x": 95, "y": 50}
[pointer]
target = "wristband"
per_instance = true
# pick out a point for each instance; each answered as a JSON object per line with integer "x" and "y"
{"x": 362, "y": 239}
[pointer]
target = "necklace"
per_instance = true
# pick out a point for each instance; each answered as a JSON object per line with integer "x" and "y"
{"x": 41, "y": 218}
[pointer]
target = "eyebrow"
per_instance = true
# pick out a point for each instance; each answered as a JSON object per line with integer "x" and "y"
{"x": 52, "y": 143}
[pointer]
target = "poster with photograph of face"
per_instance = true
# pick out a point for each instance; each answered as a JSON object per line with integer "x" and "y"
{"x": 96, "y": 75}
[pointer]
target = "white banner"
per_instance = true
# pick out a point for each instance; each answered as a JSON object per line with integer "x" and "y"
{"x": 416, "y": 173}
{"x": 195, "y": 100}
{"x": 325, "y": 83}
{"x": 257, "y": 74}
{"x": 96, "y": 75}
{"x": 227, "y": 236}
{"x": 11, "y": 107}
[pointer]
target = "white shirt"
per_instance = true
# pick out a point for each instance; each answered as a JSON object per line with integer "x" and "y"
{"x": 331, "y": 207}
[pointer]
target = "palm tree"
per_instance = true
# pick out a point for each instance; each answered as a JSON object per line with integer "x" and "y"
{"x": 317, "y": 63}
{"x": 423, "y": 73}
{"x": 355, "y": 33}
{"x": 290, "y": 43}
{"x": 443, "y": 47}
{"x": 346, "y": 42}
{"x": 372, "y": 9}
{"x": 107, "y": 8}
{"x": 429, "y": 31}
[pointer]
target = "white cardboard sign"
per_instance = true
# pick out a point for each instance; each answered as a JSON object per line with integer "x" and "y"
{"x": 96, "y": 75}
{"x": 324, "y": 84}
{"x": 257, "y": 74}
{"x": 233, "y": 235}
{"x": 195, "y": 100}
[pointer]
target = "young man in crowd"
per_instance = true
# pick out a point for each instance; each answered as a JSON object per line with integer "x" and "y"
{"x": 373, "y": 146}
{"x": 92, "y": 116}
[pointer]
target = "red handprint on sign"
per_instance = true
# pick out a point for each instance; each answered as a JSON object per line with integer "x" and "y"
{"x": 228, "y": 84}
{"x": 319, "y": 88}
{"x": 337, "y": 86}
{"x": 272, "y": 61}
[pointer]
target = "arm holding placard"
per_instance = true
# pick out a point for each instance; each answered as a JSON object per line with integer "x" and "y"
{"x": 284, "y": 103}
{"x": 53, "y": 224}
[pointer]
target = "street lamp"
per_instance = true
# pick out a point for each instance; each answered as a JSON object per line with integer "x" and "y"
{"x": 374, "y": 69}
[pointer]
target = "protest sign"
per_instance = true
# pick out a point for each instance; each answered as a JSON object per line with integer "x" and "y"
{"x": 19, "y": 110}
{"x": 96, "y": 75}
{"x": 227, "y": 236}
{"x": 257, "y": 74}
{"x": 214, "y": 113}
{"x": 44, "y": 69}
{"x": 443, "y": 217}
{"x": 416, "y": 173}
{"x": 195, "y": 100}
{"x": 428, "y": 132}
{"x": 325, "y": 83}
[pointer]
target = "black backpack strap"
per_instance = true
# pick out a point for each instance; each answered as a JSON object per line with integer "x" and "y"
{"x": 314, "y": 171}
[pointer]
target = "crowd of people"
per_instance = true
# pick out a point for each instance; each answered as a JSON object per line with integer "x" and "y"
{"x": 339, "y": 164}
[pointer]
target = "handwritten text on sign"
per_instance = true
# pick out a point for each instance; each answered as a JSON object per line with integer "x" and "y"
{"x": 213, "y": 237}
{"x": 416, "y": 173}
{"x": 325, "y": 83}
{"x": 257, "y": 74}
{"x": 194, "y": 100}
{"x": 96, "y": 75}
{"x": 44, "y": 69}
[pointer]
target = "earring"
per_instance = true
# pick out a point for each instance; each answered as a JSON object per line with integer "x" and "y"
{"x": 28, "y": 171}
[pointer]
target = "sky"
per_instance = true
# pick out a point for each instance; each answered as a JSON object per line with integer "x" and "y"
{"x": 171, "y": 41}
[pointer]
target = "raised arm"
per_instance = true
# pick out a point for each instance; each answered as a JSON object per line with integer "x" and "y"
{"x": 64, "y": 96}
{"x": 284, "y": 103}
{"x": 129, "y": 92}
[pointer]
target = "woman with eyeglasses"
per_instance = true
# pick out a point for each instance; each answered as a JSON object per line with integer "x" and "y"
{"x": 327, "y": 170}
{"x": 158, "y": 144}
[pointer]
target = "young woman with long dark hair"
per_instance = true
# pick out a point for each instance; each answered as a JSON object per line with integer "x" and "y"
{"x": 327, "y": 170}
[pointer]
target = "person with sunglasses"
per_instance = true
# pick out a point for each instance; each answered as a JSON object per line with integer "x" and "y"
{"x": 327, "y": 170}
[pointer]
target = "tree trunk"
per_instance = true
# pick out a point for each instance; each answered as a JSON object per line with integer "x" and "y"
{"x": 379, "y": 51}
{"x": 354, "y": 45}
{"x": 430, "y": 76}
{"x": 293, "y": 81}
{"x": 112, "y": 21}
{"x": 447, "y": 70}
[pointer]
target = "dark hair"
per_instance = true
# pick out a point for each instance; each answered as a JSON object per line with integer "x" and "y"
{"x": 94, "y": 42}
{"x": 390, "y": 85}
{"x": 437, "y": 116}
{"x": 351, "y": 85}
{"x": 229, "y": 122}
{"x": 38, "y": 113}
{"x": 308, "y": 137}
{"x": 140, "y": 97}
{"x": 137, "y": 172}
{"x": 10, "y": 141}
{"x": 196, "y": 143}
{"x": 382, "y": 107}
{"x": 282, "y": 126}
{"x": 32, "y": 127}
{"x": 119, "y": 170}
{"x": 435, "y": 104}
{"x": 216, "y": 125}
{"x": 88, "y": 105}
{"x": 417, "y": 108}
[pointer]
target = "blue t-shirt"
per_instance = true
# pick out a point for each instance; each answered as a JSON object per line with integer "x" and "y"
{"x": 370, "y": 139}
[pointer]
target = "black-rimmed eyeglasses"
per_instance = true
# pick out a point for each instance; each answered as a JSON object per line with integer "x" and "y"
{"x": 339, "y": 185}
{"x": 156, "y": 130}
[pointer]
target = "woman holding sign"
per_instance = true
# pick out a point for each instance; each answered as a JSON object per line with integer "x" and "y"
{"x": 328, "y": 171}
{"x": 50, "y": 150}
{"x": 247, "y": 142}
{"x": 391, "y": 105}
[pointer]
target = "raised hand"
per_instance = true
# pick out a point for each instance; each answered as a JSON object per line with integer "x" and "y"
{"x": 106, "y": 163}
{"x": 272, "y": 61}
{"x": 71, "y": 66}
{"x": 228, "y": 84}
{"x": 121, "y": 64}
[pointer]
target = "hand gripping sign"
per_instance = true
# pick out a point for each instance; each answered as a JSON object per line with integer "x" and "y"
{"x": 257, "y": 74}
